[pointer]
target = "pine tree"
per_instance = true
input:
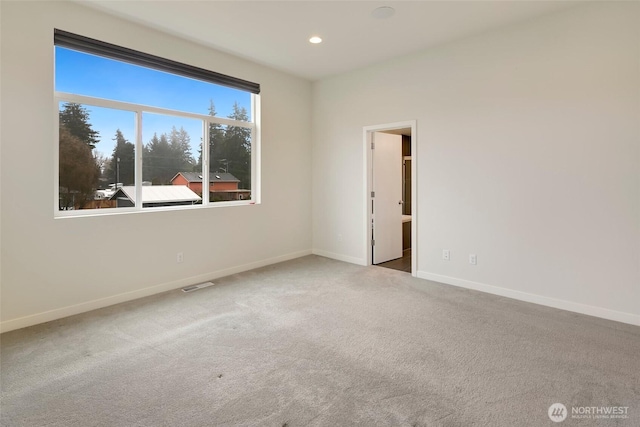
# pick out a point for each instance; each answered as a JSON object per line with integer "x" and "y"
{"x": 121, "y": 168}
{"x": 216, "y": 140}
{"x": 75, "y": 118}
{"x": 181, "y": 150}
{"x": 237, "y": 148}
{"x": 160, "y": 161}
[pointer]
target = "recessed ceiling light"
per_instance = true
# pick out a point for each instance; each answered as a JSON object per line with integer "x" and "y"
{"x": 383, "y": 12}
{"x": 315, "y": 40}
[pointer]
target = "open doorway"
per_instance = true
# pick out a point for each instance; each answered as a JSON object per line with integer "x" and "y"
{"x": 391, "y": 217}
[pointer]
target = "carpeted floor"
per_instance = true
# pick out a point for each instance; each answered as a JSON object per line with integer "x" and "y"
{"x": 317, "y": 342}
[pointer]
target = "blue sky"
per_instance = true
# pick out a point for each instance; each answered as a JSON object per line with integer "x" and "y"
{"x": 90, "y": 75}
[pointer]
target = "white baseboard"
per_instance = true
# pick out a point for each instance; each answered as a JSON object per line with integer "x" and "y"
{"x": 339, "y": 257}
{"x": 47, "y": 316}
{"x": 589, "y": 310}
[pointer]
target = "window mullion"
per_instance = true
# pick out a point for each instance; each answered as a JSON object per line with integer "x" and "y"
{"x": 56, "y": 156}
{"x": 255, "y": 149}
{"x": 205, "y": 162}
{"x": 138, "y": 157}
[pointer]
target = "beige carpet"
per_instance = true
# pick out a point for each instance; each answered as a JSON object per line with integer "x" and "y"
{"x": 317, "y": 342}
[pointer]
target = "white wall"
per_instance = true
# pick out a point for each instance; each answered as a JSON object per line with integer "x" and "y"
{"x": 56, "y": 267}
{"x": 529, "y": 157}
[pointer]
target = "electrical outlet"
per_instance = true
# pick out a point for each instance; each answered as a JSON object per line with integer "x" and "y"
{"x": 473, "y": 259}
{"x": 179, "y": 257}
{"x": 446, "y": 255}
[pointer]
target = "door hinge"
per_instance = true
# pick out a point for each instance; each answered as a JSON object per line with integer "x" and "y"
{"x": 373, "y": 194}
{"x": 373, "y": 145}
{"x": 373, "y": 242}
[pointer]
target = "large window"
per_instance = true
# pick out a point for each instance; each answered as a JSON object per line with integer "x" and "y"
{"x": 138, "y": 132}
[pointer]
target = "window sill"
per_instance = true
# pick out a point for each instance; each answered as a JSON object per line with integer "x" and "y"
{"x": 84, "y": 213}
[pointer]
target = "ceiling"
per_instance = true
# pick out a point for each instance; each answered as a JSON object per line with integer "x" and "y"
{"x": 276, "y": 33}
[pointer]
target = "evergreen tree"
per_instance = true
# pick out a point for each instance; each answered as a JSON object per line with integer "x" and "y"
{"x": 148, "y": 163}
{"x": 75, "y": 118}
{"x": 230, "y": 147}
{"x": 159, "y": 160}
{"x": 166, "y": 155}
{"x": 237, "y": 148}
{"x": 216, "y": 139}
{"x": 121, "y": 167}
{"x": 181, "y": 150}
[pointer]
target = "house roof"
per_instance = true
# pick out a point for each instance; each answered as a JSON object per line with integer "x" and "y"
{"x": 213, "y": 177}
{"x": 158, "y": 193}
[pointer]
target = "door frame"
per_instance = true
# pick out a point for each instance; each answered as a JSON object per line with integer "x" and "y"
{"x": 367, "y": 131}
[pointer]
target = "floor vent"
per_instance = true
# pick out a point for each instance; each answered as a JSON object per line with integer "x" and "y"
{"x": 196, "y": 287}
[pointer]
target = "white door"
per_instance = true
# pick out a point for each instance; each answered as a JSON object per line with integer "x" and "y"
{"x": 387, "y": 197}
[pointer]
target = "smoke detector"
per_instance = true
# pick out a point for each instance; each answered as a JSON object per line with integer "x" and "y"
{"x": 383, "y": 12}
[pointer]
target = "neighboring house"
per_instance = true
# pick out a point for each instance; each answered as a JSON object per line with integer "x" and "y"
{"x": 156, "y": 195}
{"x": 222, "y": 185}
{"x": 103, "y": 194}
